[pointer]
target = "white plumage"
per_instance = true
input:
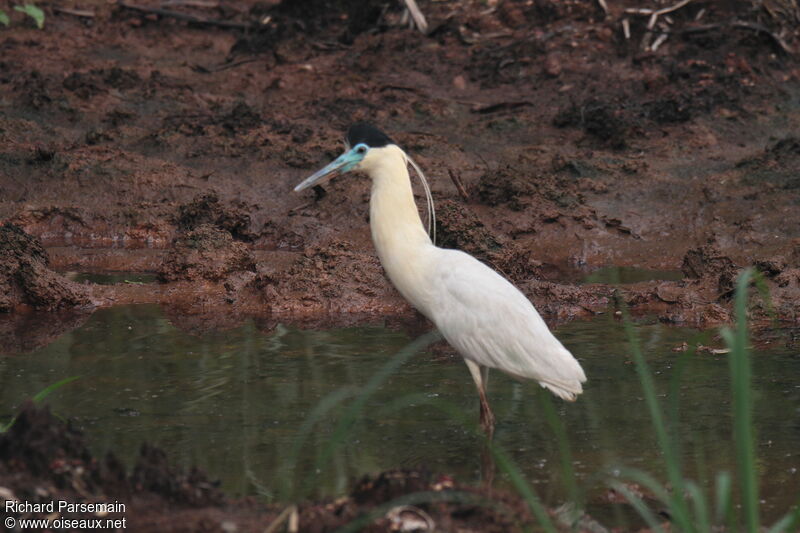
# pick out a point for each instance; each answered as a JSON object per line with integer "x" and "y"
{"x": 493, "y": 324}
{"x": 483, "y": 316}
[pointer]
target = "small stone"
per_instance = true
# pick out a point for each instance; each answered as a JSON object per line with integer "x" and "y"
{"x": 552, "y": 66}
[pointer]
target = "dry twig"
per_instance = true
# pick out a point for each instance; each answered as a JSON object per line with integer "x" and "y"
{"x": 191, "y": 19}
{"x": 766, "y": 31}
{"x": 191, "y": 3}
{"x": 651, "y": 23}
{"x": 223, "y": 66}
{"x": 657, "y": 12}
{"x": 288, "y": 514}
{"x": 417, "y": 16}
{"x": 673, "y": 8}
{"x": 658, "y": 42}
{"x": 85, "y": 13}
{"x": 736, "y": 24}
{"x": 459, "y": 185}
{"x": 500, "y": 106}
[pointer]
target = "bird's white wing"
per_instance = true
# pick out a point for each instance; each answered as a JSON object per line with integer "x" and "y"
{"x": 490, "y": 322}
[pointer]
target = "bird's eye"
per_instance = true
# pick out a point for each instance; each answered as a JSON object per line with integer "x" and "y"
{"x": 361, "y": 149}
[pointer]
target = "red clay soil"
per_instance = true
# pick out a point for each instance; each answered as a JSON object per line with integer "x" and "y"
{"x": 26, "y": 280}
{"x": 555, "y": 145}
{"x": 168, "y": 139}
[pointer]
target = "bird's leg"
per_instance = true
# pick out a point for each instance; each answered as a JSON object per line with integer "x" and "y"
{"x": 487, "y": 417}
{"x": 488, "y": 467}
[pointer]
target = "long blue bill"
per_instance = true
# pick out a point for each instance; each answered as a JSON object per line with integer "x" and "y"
{"x": 340, "y": 165}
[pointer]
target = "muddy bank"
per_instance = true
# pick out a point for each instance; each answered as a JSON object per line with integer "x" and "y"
{"x": 554, "y": 143}
{"x": 26, "y": 280}
{"x": 211, "y": 281}
{"x": 43, "y": 459}
{"x": 213, "y": 264}
{"x": 335, "y": 280}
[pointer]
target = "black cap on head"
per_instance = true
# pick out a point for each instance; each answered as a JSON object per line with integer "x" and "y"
{"x": 364, "y": 132}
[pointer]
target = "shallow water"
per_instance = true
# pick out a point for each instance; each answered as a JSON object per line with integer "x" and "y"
{"x": 233, "y": 402}
{"x": 615, "y": 275}
{"x": 110, "y": 278}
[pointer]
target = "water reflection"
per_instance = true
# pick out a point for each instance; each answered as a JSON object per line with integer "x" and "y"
{"x": 615, "y": 275}
{"x": 110, "y": 278}
{"x": 233, "y": 401}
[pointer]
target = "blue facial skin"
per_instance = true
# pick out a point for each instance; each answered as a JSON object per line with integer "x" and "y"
{"x": 344, "y": 163}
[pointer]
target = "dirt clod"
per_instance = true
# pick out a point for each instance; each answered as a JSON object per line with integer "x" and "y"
{"x": 207, "y": 209}
{"x": 39, "y": 443}
{"x": 241, "y": 118}
{"x": 778, "y": 164}
{"x": 331, "y": 276}
{"x": 153, "y": 473}
{"x": 26, "y": 279}
{"x": 459, "y": 228}
{"x": 602, "y": 120}
{"x": 206, "y": 253}
{"x": 389, "y": 485}
{"x": 503, "y": 186}
{"x": 707, "y": 260}
{"x": 708, "y": 263}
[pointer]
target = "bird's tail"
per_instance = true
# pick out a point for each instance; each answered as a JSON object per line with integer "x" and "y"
{"x": 565, "y": 391}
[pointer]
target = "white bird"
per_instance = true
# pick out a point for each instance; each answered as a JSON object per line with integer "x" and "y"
{"x": 483, "y": 316}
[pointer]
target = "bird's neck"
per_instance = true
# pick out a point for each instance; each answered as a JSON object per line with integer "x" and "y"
{"x": 402, "y": 243}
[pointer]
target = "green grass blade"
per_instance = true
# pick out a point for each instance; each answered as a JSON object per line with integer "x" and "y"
{"x": 790, "y": 522}
{"x": 38, "y": 397}
{"x": 674, "y": 395}
{"x": 523, "y": 488}
{"x": 4, "y": 20}
{"x": 647, "y": 481}
{"x": 47, "y": 391}
{"x": 564, "y": 451}
{"x": 319, "y": 411}
{"x": 700, "y": 505}
{"x": 677, "y": 504}
{"x": 723, "y": 498}
{"x": 640, "y": 507}
{"x": 760, "y": 283}
{"x": 33, "y": 12}
{"x": 508, "y": 466}
{"x": 743, "y": 433}
{"x": 348, "y": 419}
{"x": 502, "y": 460}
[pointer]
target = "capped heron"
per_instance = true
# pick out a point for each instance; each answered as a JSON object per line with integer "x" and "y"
{"x": 480, "y": 313}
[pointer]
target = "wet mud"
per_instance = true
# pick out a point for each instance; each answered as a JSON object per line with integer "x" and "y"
{"x": 554, "y": 144}
{"x": 139, "y": 138}
{"x": 27, "y": 281}
{"x": 206, "y": 253}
